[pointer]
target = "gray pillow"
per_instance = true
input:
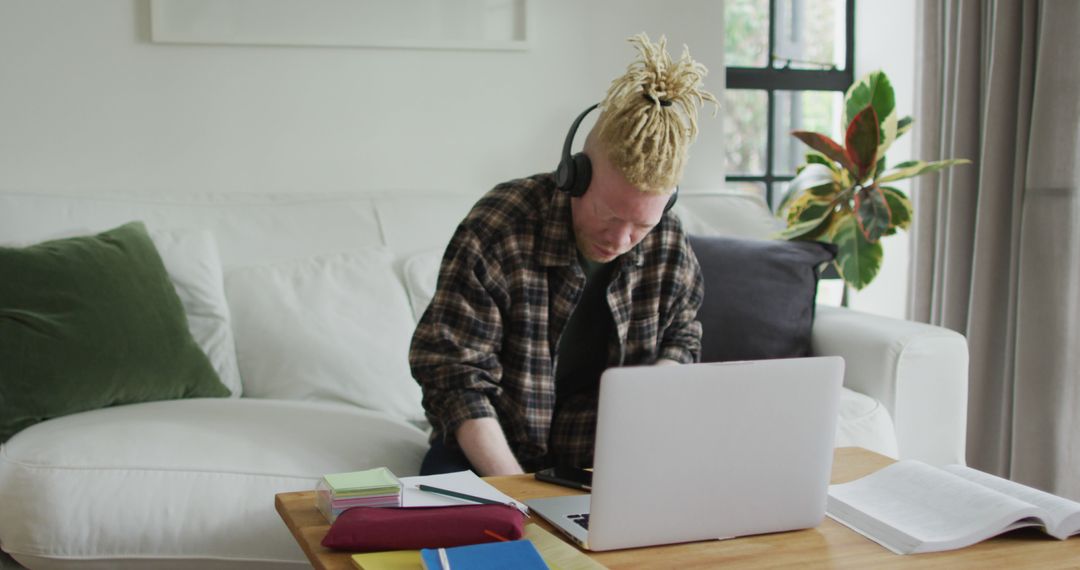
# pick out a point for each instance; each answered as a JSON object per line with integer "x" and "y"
{"x": 759, "y": 296}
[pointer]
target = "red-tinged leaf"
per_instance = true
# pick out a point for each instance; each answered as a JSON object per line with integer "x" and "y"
{"x": 899, "y": 208}
{"x": 826, "y": 146}
{"x": 872, "y": 213}
{"x": 862, "y": 142}
{"x": 874, "y": 89}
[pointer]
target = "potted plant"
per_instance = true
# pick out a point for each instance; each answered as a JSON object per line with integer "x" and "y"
{"x": 841, "y": 195}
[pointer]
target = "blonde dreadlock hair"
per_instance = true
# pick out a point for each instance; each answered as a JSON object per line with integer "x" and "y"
{"x": 649, "y": 115}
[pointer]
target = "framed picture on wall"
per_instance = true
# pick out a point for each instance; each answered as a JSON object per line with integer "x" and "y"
{"x": 410, "y": 24}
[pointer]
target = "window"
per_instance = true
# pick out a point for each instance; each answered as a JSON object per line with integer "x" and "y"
{"x": 789, "y": 63}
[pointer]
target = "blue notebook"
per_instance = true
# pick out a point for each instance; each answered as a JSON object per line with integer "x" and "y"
{"x": 517, "y": 554}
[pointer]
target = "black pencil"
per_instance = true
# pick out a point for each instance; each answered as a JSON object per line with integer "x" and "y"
{"x": 458, "y": 495}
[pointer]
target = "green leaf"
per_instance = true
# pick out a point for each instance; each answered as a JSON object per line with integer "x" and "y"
{"x": 900, "y": 209}
{"x": 862, "y": 142}
{"x": 796, "y": 209}
{"x": 857, "y": 260}
{"x": 874, "y": 89}
{"x": 825, "y": 192}
{"x": 795, "y": 202}
{"x": 827, "y": 147}
{"x": 872, "y": 213}
{"x": 904, "y": 125}
{"x": 811, "y": 175}
{"x": 808, "y": 229}
{"x": 914, "y": 168}
{"x": 879, "y": 168}
{"x": 813, "y": 211}
{"x": 818, "y": 158}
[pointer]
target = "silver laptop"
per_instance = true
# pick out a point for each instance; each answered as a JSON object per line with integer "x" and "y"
{"x": 706, "y": 451}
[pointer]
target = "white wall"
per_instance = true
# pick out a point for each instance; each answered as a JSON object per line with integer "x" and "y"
{"x": 88, "y": 103}
{"x": 885, "y": 39}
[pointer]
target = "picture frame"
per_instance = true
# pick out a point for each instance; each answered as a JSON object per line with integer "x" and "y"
{"x": 394, "y": 24}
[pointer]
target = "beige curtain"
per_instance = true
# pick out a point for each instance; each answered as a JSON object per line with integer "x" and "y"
{"x": 996, "y": 244}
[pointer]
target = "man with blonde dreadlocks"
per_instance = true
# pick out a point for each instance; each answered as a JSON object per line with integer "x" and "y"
{"x": 551, "y": 279}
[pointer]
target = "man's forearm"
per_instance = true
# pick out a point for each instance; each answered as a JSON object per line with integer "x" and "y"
{"x": 485, "y": 445}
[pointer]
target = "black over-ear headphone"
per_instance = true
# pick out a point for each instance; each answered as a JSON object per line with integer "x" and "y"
{"x": 575, "y": 171}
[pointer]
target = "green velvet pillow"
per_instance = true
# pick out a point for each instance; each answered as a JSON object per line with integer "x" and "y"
{"x": 89, "y": 322}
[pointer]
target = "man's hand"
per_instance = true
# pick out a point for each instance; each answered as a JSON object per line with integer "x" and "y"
{"x": 484, "y": 443}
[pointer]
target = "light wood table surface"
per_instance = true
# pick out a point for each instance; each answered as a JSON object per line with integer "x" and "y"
{"x": 830, "y": 545}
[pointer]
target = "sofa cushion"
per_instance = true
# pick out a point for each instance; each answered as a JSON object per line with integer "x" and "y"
{"x": 191, "y": 259}
{"x": 732, "y": 211}
{"x": 90, "y": 322}
{"x": 759, "y": 296}
{"x": 328, "y": 328}
{"x": 421, "y": 274}
{"x": 194, "y": 266}
{"x": 864, "y": 422}
{"x": 188, "y": 483}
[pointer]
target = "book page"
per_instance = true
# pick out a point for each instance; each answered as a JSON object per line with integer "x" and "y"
{"x": 910, "y": 506}
{"x": 1063, "y": 515}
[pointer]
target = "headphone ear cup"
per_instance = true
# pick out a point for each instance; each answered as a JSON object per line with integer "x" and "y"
{"x": 671, "y": 201}
{"x": 582, "y": 175}
{"x": 564, "y": 175}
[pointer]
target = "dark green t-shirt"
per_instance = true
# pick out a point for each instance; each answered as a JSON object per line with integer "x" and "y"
{"x": 583, "y": 346}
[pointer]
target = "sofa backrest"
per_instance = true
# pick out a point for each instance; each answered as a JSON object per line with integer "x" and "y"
{"x": 321, "y": 292}
{"x": 253, "y": 229}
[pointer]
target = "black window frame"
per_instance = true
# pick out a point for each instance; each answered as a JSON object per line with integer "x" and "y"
{"x": 772, "y": 79}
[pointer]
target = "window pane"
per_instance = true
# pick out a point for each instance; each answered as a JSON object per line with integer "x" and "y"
{"x": 746, "y": 33}
{"x": 817, "y": 111}
{"x": 779, "y": 188}
{"x": 745, "y": 130}
{"x": 809, "y": 34}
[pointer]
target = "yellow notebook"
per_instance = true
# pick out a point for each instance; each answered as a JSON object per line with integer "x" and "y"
{"x": 557, "y": 553}
{"x": 389, "y": 560}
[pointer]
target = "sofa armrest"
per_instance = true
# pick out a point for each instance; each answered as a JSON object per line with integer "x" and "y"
{"x": 918, "y": 371}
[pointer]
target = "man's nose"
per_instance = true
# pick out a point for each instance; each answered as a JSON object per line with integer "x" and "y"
{"x": 624, "y": 237}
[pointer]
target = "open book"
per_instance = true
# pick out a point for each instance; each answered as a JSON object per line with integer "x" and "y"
{"x": 910, "y": 507}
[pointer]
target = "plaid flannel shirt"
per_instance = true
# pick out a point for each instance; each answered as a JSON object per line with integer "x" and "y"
{"x": 509, "y": 281}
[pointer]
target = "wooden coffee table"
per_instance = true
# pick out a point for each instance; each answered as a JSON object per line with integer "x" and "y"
{"x": 830, "y": 545}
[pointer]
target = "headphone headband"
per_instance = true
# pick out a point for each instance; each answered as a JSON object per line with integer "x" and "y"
{"x": 575, "y": 170}
{"x": 573, "y": 131}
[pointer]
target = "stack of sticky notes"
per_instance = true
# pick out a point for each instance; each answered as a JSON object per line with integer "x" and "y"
{"x": 371, "y": 488}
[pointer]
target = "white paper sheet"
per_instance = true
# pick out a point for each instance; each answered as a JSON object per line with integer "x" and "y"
{"x": 465, "y": 482}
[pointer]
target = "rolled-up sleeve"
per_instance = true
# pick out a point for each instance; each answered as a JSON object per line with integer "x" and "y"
{"x": 454, "y": 351}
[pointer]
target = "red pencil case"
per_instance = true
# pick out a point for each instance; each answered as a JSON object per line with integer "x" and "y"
{"x": 370, "y": 529}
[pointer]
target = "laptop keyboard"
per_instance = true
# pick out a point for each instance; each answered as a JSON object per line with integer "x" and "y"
{"x": 582, "y": 519}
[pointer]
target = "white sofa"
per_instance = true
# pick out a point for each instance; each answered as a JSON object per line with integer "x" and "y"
{"x": 309, "y": 306}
